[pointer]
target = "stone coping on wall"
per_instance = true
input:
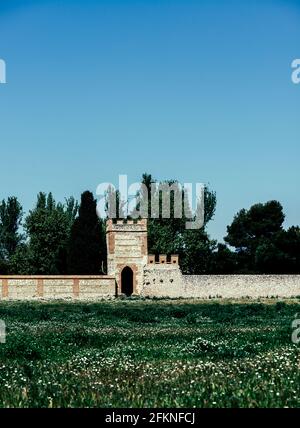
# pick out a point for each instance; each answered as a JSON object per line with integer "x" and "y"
{"x": 56, "y": 286}
{"x": 167, "y": 281}
{"x": 108, "y": 277}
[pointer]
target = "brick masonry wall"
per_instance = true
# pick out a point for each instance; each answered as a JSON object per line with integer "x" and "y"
{"x": 56, "y": 287}
{"x": 127, "y": 246}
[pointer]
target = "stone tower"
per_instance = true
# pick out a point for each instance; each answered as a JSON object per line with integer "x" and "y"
{"x": 127, "y": 254}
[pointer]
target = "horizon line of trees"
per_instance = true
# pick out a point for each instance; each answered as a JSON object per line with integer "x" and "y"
{"x": 69, "y": 238}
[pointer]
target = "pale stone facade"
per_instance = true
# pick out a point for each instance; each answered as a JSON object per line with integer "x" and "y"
{"x": 127, "y": 248}
{"x": 162, "y": 282}
{"x": 56, "y": 287}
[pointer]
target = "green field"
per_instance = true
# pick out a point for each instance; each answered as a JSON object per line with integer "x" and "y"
{"x": 150, "y": 353}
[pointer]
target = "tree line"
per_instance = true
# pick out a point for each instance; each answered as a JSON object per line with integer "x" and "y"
{"x": 57, "y": 238}
{"x": 69, "y": 238}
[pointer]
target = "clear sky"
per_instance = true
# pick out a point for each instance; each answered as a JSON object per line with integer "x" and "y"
{"x": 200, "y": 91}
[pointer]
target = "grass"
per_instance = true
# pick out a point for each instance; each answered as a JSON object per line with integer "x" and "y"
{"x": 150, "y": 353}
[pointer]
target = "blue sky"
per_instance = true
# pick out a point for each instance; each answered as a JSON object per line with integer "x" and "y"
{"x": 200, "y": 91}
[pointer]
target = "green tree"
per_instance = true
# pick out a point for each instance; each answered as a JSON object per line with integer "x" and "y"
{"x": 10, "y": 220}
{"x": 20, "y": 261}
{"x": 87, "y": 247}
{"x": 269, "y": 259}
{"x": 224, "y": 261}
{"x": 261, "y": 243}
{"x": 48, "y": 227}
{"x": 170, "y": 236}
{"x": 281, "y": 254}
{"x": 10, "y": 238}
{"x": 249, "y": 227}
{"x": 196, "y": 252}
{"x": 252, "y": 229}
{"x": 114, "y": 206}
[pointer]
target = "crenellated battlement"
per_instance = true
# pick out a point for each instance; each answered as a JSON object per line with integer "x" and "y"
{"x": 126, "y": 224}
{"x": 163, "y": 259}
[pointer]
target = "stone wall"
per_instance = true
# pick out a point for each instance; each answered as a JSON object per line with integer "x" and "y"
{"x": 236, "y": 286}
{"x": 163, "y": 280}
{"x": 167, "y": 281}
{"x": 56, "y": 287}
{"x": 158, "y": 280}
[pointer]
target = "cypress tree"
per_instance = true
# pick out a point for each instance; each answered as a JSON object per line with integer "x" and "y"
{"x": 87, "y": 249}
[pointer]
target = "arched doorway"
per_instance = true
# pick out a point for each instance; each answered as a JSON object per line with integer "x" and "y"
{"x": 127, "y": 281}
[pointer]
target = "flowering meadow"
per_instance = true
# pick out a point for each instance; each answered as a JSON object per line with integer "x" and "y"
{"x": 150, "y": 353}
